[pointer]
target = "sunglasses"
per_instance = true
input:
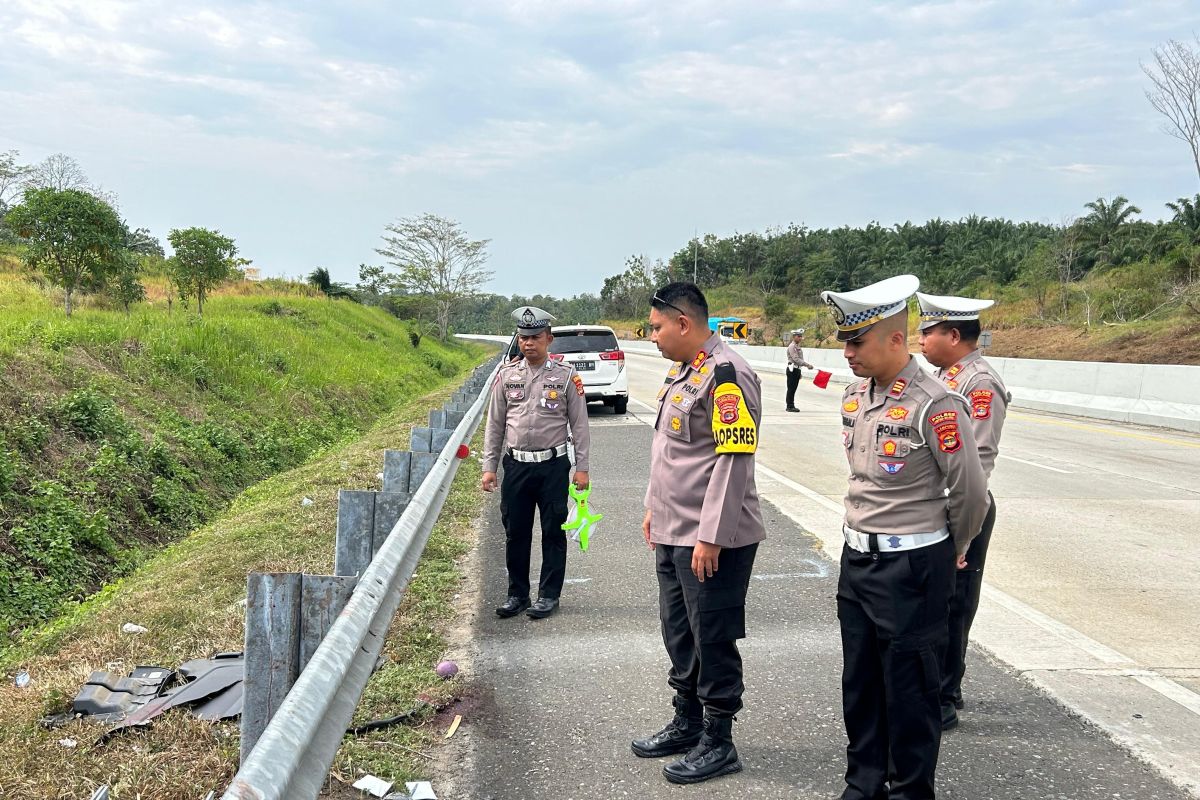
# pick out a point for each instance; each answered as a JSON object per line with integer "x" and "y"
{"x": 658, "y": 301}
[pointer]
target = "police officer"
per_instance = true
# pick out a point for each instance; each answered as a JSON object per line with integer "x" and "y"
{"x": 534, "y": 401}
{"x": 949, "y": 335}
{"x": 917, "y": 495}
{"x": 795, "y": 360}
{"x": 704, "y": 524}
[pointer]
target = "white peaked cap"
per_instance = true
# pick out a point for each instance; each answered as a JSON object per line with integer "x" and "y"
{"x": 532, "y": 320}
{"x": 947, "y": 308}
{"x": 855, "y": 312}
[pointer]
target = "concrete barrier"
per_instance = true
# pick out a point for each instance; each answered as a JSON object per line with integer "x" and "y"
{"x": 1162, "y": 395}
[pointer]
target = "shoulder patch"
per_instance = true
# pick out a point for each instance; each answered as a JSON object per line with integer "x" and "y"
{"x": 981, "y": 403}
{"x": 733, "y": 427}
{"x": 578, "y": 381}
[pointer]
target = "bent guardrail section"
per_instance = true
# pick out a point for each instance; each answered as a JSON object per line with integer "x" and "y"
{"x": 292, "y": 757}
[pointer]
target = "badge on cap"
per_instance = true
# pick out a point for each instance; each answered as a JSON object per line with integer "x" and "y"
{"x": 936, "y": 309}
{"x": 855, "y": 312}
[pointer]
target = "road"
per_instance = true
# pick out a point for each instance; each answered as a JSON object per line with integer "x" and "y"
{"x": 553, "y": 704}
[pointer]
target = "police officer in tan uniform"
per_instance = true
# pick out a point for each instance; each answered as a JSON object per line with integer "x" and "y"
{"x": 704, "y": 524}
{"x": 533, "y": 403}
{"x": 949, "y": 335}
{"x": 795, "y": 360}
{"x": 917, "y": 495}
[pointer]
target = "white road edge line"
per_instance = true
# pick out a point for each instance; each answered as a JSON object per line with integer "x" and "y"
{"x": 1035, "y": 464}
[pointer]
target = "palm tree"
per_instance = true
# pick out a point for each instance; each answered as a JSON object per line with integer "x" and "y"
{"x": 1187, "y": 216}
{"x": 319, "y": 279}
{"x": 1104, "y": 223}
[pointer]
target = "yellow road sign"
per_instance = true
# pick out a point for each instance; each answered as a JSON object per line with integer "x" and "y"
{"x": 740, "y": 331}
{"x": 640, "y": 332}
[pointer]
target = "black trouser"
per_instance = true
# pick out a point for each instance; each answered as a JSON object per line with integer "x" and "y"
{"x": 701, "y": 623}
{"x": 525, "y": 487}
{"x": 793, "y": 380}
{"x": 892, "y": 608}
{"x": 967, "y": 585}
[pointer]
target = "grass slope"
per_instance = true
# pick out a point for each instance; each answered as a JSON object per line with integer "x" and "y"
{"x": 188, "y": 599}
{"x": 118, "y": 434}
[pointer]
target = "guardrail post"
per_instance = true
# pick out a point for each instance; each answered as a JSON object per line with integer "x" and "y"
{"x": 287, "y": 616}
{"x": 420, "y": 440}
{"x": 422, "y": 463}
{"x": 272, "y": 649}
{"x": 389, "y": 506}
{"x": 355, "y": 531}
{"x": 397, "y": 467}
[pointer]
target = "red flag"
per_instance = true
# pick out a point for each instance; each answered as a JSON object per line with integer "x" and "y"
{"x": 821, "y": 380}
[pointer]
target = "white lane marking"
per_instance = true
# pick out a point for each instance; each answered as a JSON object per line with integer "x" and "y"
{"x": 1169, "y": 688}
{"x": 576, "y": 580}
{"x": 804, "y": 490}
{"x": 1052, "y": 626}
{"x": 819, "y": 570}
{"x": 1034, "y": 464}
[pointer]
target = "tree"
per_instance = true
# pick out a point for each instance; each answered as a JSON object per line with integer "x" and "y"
{"x": 74, "y": 238}
{"x": 627, "y": 296}
{"x": 1187, "y": 217}
{"x": 1175, "y": 75}
{"x": 202, "y": 260}
{"x": 12, "y": 178}
{"x": 320, "y": 279}
{"x": 125, "y": 285}
{"x": 1104, "y": 222}
{"x": 435, "y": 258}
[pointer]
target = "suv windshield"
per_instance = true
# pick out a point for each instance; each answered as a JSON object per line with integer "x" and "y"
{"x": 583, "y": 342}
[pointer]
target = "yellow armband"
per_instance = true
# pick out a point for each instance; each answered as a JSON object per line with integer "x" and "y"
{"x": 733, "y": 427}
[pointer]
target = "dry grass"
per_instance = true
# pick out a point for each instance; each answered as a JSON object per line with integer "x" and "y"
{"x": 188, "y": 599}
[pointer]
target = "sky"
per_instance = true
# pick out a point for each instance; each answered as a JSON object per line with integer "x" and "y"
{"x": 573, "y": 134}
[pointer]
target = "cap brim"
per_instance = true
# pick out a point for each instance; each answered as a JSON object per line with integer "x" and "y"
{"x": 929, "y": 323}
{"x": 846, "y": 336}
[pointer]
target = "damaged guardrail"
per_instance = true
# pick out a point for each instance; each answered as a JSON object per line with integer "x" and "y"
{"x": 291, "y": 758}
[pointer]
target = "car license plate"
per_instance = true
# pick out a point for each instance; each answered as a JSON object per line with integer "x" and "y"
{"x": 581, "y": 366}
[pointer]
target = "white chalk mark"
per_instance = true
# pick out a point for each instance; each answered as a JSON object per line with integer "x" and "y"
{"x": 1035, "y": 464}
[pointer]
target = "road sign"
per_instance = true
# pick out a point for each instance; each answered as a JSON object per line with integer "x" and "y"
{"x": 640, "y": 331}
{"x": 740, "y": 331}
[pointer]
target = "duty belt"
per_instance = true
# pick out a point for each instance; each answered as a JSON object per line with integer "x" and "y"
{"x": 890, "y": 543}
{"x": 536, "y": 456}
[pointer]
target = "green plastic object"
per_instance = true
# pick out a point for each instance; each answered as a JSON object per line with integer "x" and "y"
{"x": 581, "y": 522}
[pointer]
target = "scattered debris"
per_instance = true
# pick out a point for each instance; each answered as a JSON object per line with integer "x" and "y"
{"x": 129, "y": 627}
{"x": 377, "y": 724}
{"x": 101, "y": 793}
{"x": 446, "y": 669}
{"x": 22, "y": 679}
{"x": 379, "y": 477}
{"x": 212, "y": 688}
{"x": 420, "y": 790}
{"x": 306, "y": 501}
{"x": 68, "y": 743}
{"x": 454, "y": 726}
{"x": 377, "y": 787}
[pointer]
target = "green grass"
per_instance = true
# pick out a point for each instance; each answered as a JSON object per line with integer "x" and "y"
{"x": 188, "y": 597}
{"x": 120, "y": 433}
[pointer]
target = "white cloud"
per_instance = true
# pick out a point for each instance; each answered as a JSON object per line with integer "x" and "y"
{"x": 499, "y": 145}
{"x": 885, "y": 152}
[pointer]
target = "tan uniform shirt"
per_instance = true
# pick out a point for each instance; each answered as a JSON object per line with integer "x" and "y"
{"x": 795, "y": 356}
{"x": 975, "y": 380}
{"x": 530, "y": 409}
{"x": 695, "y": 493}
{"x": 907, "y": 443}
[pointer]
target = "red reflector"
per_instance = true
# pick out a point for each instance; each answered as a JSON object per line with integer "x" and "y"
{"x": 616, "y": 355}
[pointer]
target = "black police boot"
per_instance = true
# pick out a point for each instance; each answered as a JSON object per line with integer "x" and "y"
{"x": 512, "y": 606}
{"x": 542, "y": 608}
{"x": 679, "y": 736}
{"x": 715, "y": 755}
{"x": 949, "y": 717}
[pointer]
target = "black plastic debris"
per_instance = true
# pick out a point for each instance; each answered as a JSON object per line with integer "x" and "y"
{"x": 213, "y": 688}
{"x": 109, "y": 697}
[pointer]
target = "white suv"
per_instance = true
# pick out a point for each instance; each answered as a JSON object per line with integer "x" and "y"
{"x": 594, "y": 352}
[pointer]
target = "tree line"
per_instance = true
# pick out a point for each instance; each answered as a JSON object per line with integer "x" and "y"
{"x": 73, "y": 237}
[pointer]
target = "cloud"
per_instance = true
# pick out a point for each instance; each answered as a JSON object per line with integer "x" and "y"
{"x": 499, "y": 145}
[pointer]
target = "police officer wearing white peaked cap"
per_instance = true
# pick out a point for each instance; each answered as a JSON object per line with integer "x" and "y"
{"x": 916, "y": 496}
{"x": 949, "y": 334}
{"x": 534, "y": 402}
{"x": 795, "y": 360}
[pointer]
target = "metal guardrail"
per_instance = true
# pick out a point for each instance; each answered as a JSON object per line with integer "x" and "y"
{"x": 292, "y": 757}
